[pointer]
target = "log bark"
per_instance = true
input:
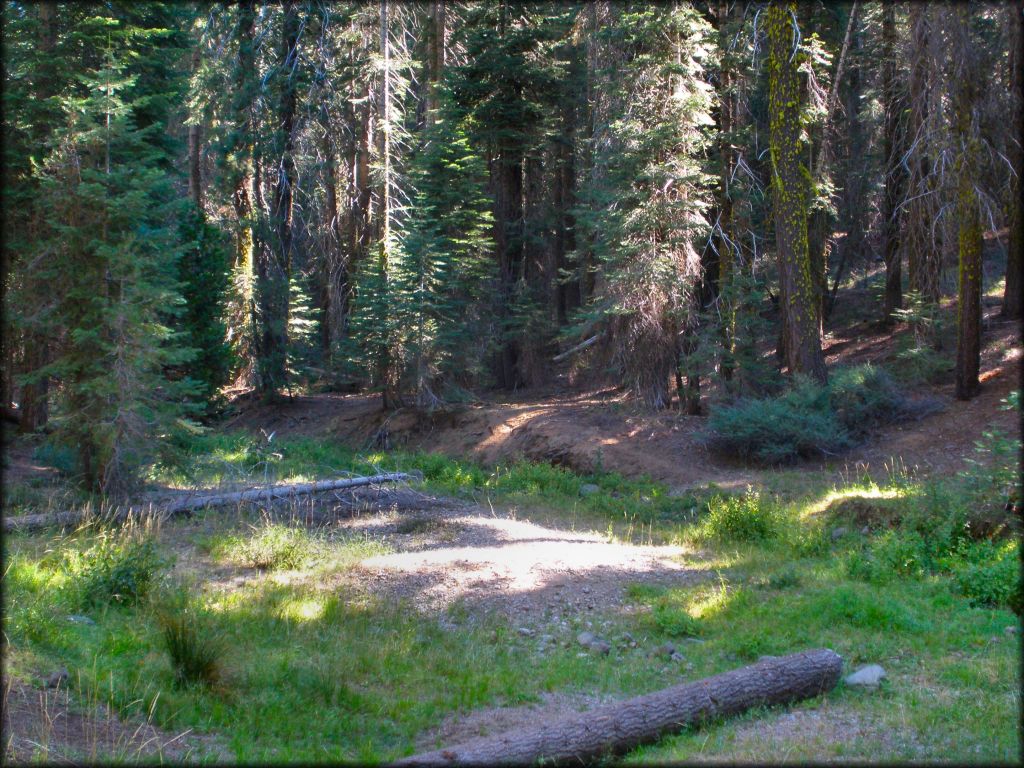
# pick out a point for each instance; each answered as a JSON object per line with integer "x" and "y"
{"x": 189, "y": 504}
{"x": 615, "y": 728}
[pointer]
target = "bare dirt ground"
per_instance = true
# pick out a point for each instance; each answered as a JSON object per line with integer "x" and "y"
{"x": 602, "y": 430}
{"x": 44, "y": 724}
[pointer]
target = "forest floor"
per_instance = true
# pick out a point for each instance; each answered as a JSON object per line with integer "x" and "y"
{"x": 401, "y": 619}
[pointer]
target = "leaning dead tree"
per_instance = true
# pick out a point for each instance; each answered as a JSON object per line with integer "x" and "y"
{"x": 615, "y": 728}
{"x": 190, "y": 503}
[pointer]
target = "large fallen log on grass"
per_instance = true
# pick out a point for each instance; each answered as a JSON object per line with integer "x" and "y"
{"x": 615, "y": 728}
{"x": 191, "y": 503}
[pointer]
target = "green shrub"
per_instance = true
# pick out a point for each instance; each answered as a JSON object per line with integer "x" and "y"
{"x": 119, "y": 568}
{"x": 191, "y": 641}
{"x": 674, "y": 620}
{"x": 741, "y": 518}
{"x": 809, "y": 419}
{"x": 993, "y": 582}
{"x": 60, "y": 457}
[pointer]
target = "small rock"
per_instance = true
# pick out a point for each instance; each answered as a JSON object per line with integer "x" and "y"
{"x": 585, "y": 590}
{"x": 600, "y": 647}
{"x": 1010, "y": 631}
{"x": 664, "y": 651}
{"x": 869, "y": 676}
{"x": 865, "y": 530}
{"x": 526, "y": 632}
{"x": 676, "y": 656}
{"x": 628, "y": 637}
{"x": 547, "y": 638}
{"x": 76, "y": 619}
{"x": 589, "y": 489}
{"x": 838, "y": 533}
{"x": 766, "y": 658}
{"x": 57, "y": 678}
{"x": 586, "y": 638}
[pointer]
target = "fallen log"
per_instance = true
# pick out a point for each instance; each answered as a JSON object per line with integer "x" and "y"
{"x": 615, "y": 728}
{"x": 190, "y": 503}
{"x": 578, "y": 348}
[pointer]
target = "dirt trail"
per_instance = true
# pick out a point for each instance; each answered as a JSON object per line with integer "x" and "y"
{"x": 492, "y": 563}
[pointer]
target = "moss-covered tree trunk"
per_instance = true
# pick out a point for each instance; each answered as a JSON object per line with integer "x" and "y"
{"x": 790, "y": 194}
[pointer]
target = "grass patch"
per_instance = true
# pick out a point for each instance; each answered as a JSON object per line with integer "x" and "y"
{"x": 268, "y": 546}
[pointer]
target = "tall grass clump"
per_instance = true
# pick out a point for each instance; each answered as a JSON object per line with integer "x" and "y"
{"x": 809, "y": 419}
{"x": 271, "y": 547}
{"x": 191, "y": 640}
{"x": 120, "y": 568}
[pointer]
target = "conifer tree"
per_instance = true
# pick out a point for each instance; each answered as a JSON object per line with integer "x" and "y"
{"x": 109, "y": 204}
{"x": 650, "y": 207}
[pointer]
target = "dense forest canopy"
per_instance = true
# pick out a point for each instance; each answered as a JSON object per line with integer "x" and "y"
{"x": 434, "y": 199}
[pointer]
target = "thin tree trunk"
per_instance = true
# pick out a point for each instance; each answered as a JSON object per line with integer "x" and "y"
{"x": 34, "y": 399}
{"x": 1013, "y": 295}
{"x": 965, "y": 98}
{"x": 892, "y": 150}
{"x": 820, "y": 226}
{"x": 798, "y": 304}
{"x": 274, "y": 272}
{"x": 195, "y": 147}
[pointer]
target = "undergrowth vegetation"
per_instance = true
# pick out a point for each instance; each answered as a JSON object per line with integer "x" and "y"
{"x": 919, "y": 575}
{"x": 810, "y": 419}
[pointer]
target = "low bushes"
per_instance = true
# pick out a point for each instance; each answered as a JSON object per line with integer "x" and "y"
{"x": 809, "y": 419}
{"x": 120, "y": 567}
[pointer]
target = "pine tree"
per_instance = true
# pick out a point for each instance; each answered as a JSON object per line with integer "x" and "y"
{"x": 447, "y": 271}
{"x": 647, "y": 213}
{"x": 111, "y": 267}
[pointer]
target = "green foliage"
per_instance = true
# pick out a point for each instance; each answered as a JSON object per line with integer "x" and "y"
{"x": 993, "y": 478}
{"x": 673, "y": 620}
{"x": 192, "y": 641}
{"x": 204, "y": 275}
{"x": 271, "y": 547}
{"x": 447, "y": 273}
{"x": 745, "y": 518}
{"x": 119, "y": 568}
{"x": 54, "y": 455}
{"x": 648, "y": 139}
{"x": 990, "y": 578}
{"x": 108, "y": 252}
{"x": 809, "y": 419}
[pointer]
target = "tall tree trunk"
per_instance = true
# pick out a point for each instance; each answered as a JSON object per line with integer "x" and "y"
{"x": 195, "y": 147}
{"x": 274, "y": 272}
{"x": 1013, "y": 295}
{"x": 820, "y": 228}
{"x": 438, "y": 45}
{"x": 923, "y": 255}
{"x": 727, "y": 238}
{"x": 386, "y": 373}
{"x": 892, "y": 150}
{"x": 336, "y": 259}
{"x": 790, "y": 193}
{"x": 34, "y": 399}
{"x": 965, "y": 98}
